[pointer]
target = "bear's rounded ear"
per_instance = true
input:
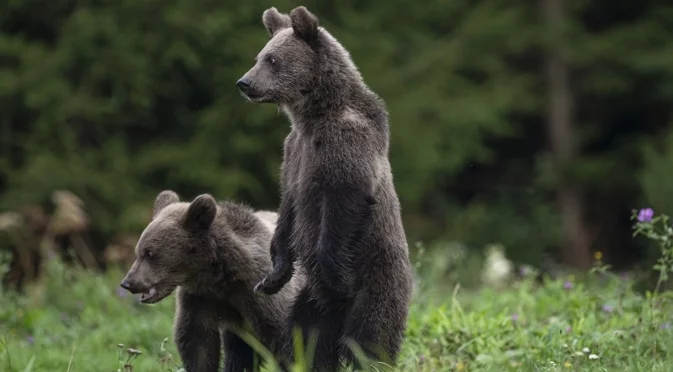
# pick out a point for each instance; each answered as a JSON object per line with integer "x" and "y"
{"x": 304, "y": 24}
{"x": 275, "y": 21}
{"x": 164, "y": 199}
{"x": 201, "y": 213}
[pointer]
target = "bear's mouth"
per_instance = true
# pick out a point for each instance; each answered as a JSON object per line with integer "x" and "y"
{"x": 150, "y": 296}
{"x": 251, "y": 96}
{"x": 256, "y": 97}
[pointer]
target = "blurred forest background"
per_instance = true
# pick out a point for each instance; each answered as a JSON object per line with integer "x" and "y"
{"x": 538, "y": 125}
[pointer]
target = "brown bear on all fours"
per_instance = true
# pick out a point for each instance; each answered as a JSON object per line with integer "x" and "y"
{"x": 214, "y": 254}
{"x": 339, "y": 215}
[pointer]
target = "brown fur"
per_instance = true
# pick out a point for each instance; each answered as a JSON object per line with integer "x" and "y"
{"x": 339, "y": 214}
{"x": 214, "y": 254}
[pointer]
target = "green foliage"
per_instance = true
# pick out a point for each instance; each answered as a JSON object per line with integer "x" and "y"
{"x": 116, "y": 100}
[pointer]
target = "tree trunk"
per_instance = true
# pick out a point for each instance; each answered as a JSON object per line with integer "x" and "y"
{"x": 576, "y": 246}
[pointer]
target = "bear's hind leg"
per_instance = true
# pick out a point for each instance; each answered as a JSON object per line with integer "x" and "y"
{"x": 238, "y": 355}
{"x": 322, "y": 327}
{"x": 377, "y": 327}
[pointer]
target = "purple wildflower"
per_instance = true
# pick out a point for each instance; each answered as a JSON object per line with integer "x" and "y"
{"x": 30, "y": 339}
{"x": 524, "y": 271}
{"x": 121, "y": 292}
{"x": 645, "y": 215}
{"x": 607, "y": 308}
{"x": 569, "y": 329}
{"x": 515, "y": 317}
{"x": 567, "y": 285}
{"x": 665, "y": 326}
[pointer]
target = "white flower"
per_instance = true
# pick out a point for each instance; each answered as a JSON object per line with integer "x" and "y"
{"x": 593, "y": 356}
{"x": 497, "y": 268}
{"x": 586, "y": 350}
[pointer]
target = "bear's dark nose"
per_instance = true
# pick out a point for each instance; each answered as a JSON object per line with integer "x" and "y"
{"x": 126, "y": 285}
{"x": 243, "y": 84}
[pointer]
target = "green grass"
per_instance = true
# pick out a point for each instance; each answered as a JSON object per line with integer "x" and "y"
{"x": 74, "y": 320}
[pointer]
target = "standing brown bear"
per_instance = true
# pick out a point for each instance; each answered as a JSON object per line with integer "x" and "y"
{"x": 214, "y": 254}
{"x": 339, "y": 213}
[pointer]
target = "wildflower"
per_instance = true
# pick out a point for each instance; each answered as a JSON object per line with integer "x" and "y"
{"x": 524, "y": 271}
{"x": 665, "y": 326}
{"x": 30, "y": 339}
{"x": 598, "y": 255}
{"x": 121, "y": 292}
{"x": 515, "y": 317}
{"x": 645, "y": 215}
{"x": 569, "y": 329}
{"x": 421, "y": 359}
{"x": 593, "y": 356}
{"x": 460, "y": 366}
{"x": 607, "y": 308}
{"x": 567, "y": 285}
{"x": 497, "y": 268}
{"x": 586, "y": 350}
{"x": 567, "y": 364}
{"x": 51, "y": 255}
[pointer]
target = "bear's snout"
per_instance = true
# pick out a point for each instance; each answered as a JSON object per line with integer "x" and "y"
{"x": 133, "y": 283}
{"x": 126, "y": 285}
{"x": 243, "y": 84}
{"x": 131, "y": 286}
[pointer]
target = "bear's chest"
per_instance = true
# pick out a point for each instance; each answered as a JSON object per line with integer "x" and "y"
{"x": 302, "y": 182}
{"x": 301, "y": 168}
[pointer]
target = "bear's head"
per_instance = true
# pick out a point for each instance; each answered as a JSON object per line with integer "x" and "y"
{"x": 173, "y": 248}
{"x": 286, "y": 68}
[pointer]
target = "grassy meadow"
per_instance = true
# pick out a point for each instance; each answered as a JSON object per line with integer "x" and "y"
{"x": 74, "y": 320}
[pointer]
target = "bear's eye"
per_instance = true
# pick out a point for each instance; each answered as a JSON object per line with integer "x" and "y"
{"x": 149, "y": 254}
{"x": 271, "y": 59}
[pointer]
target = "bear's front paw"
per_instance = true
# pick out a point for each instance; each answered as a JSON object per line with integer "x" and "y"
{"x": 274, "y": 282}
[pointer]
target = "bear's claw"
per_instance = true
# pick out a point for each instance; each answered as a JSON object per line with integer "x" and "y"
{"x": 271, "y": 284}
